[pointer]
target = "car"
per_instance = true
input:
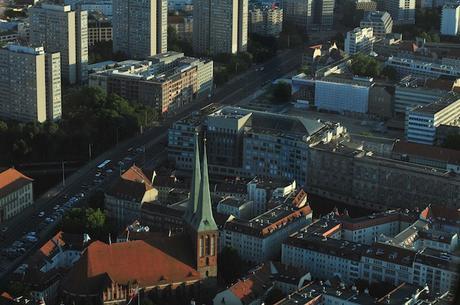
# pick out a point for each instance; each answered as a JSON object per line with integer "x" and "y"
{"x": 41, "y": 214}
{"x": 82, "y": 195}
{"x": 49, "y": 220}
{"x": 56, "y": 207}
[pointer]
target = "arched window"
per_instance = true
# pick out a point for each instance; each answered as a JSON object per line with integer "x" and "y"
{"x": 201, "y": 245}
{"x": 208, "y": 245}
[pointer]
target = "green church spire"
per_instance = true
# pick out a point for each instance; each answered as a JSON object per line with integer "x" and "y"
{"x": 196, "y": 178}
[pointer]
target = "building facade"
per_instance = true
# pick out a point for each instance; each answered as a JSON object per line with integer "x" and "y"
{"x": 402, "y": 11}
{"x": 99, "y": 29}
{"x": 30, "y": 83}
{"x": 266, "y": 21}
{"x": 60, "y": 29}
{"x": 140, "y": 28}
{"x": 16, "y": 193}
{"x": 220, "y": 26}
{"x": 380, "y": 21}
{"x": 359, "y": 40}
{"x": 450, "y": 20}
{"x": 309, "y": 15}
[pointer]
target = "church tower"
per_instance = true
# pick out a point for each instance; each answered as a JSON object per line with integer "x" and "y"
{"x": 203, "y": 228}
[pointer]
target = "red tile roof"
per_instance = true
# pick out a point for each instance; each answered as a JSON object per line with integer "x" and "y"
{"x": 135, "y": 174}
{"x": 126, "y": 262}
{"x": 12, "y": 180}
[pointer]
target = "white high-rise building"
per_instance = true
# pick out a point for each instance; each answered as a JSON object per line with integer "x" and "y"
{"x": 220, "y": 26}
{"x": 379, "y": 21}
{"x": 58, "y": 28}
{"x": 450, "y": 20}
{"x": 140, "y": 27}
{"x": 359, "y": 40}
{"x": 30, "y": 84}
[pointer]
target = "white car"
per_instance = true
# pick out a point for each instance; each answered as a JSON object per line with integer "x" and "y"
{"x": 41, "y": 214}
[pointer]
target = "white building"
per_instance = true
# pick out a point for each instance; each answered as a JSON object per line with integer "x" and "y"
{"x": 422, "y": 121}
{"x": 341, "y": 94}
{"x": 380, "y": 21}
{"x": 450, "y": 20}
{"x": 429, "y": 68}
{"x": 262, "y": 191}
{"x": 359, "y": 40}
{"x": 260, "y": 238}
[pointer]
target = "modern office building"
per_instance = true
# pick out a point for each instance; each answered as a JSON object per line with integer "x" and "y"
{"x": 402, "y": 11}
{"x": 310, "y": 15}
{"x": 450, "y": 19}
{"x": 58, "y": 28}
{"x": 16, "y": 193}
{"x": 140, "y": 27}
{"x": 412, "y": 91}
{"x": 166, "y": 81}
{"x": 380, "y": 21}
{"x": 266, "y": 21}
{"x": 220, "y": 26}
{"x": 359, "y": 40}
{"x": 422, "y": 121}
{"x": 31, "y": 84}
{"x": 343, "y": 94}
{"x": 248, "y": 143}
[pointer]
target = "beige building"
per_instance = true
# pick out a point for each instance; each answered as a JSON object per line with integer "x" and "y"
{"x": 140, "y": 27}
{"x": 220, "y": 26}
{"x": 16, "y": 193}
{"x": 30, "y": 83}
{"x": 58, "y": 28}
{"x": 266, "y": 21}
{"x": 166, "y": 81}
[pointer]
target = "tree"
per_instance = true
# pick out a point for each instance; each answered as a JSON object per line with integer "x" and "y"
{"x": 233, "y": 266}
{"x": 282, "y": 92}
{"x": 364, "y": 65}
{"x": 86, "y": 220}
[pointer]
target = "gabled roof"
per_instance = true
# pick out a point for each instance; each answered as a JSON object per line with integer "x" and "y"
{"x": 135, "y": 174}
{"x": 12, "y": 180}
{"x": 131, "y": 185}
{"x": 127, "y": 262}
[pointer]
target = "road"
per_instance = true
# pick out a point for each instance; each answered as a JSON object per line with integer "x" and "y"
{"x": 153, "y": 140}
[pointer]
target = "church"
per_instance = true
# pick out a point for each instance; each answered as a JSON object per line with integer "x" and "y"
{"x": 164, "y": 267}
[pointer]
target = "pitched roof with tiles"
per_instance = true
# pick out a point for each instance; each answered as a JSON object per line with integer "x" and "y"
{"x": 12, "y": 180}
{"x": 126, "y": 262}
{"x": 131, "y": 185}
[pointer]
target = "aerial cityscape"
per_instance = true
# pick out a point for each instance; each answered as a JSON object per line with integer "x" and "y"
{"x": 230, "y": 152}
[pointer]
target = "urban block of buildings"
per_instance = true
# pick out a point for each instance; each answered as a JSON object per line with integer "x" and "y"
{"x": 30, "y": 84}
{"x": 166, "y": 82}
{"x": 266, "y": 21}
{"x": 359, "y": 40}
{"x": 309, "y": 15}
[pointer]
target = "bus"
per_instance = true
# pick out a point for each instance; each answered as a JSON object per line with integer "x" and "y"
{"x": 103, "y": 165}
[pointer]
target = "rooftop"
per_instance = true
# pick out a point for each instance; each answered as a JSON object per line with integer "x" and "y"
{"x": 439, "y": 105}
{"x": 450, "y": 156}
{"x": 12, "y": 180}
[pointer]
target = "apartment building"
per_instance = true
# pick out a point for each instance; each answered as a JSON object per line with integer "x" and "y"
{"x": 402, "y": 11}
{"x": 16, "y": 193}
{"x": 310, "y": 15}
{"x": 422, "y": 121}
{"x": 260, "y": 238}
{"x": 31, "y": 84}
{"x": 412, "y": 91}
{"x": 220, "y": 26}
{"x": 166, "y": 81}
{"x": 140, "y": 27}
{"x": 58, "y": 28}
{"x": 359, "y": 40}
{"x": 266, "y": 21}
{"x": 99, "y": 29}
{"x": 343, "y": 94}
{"x": 380, "y": 21}
{"x": 450, "y": 19}
{"x": 261, "y": 191}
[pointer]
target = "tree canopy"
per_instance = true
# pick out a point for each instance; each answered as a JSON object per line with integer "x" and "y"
{"x": 233, "y": 268}
{"x": 86, "y": 220}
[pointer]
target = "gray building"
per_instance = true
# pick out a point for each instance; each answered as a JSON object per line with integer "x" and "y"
{"x": 58, "y": 28}
{"x": 379, "y": 21}
{"x": 140, "y": 27}
{"x": 30, "y": 83}
{"x": 248, "y": 143}
{"x": 309, "y": 15}
{"x": 220, "y": 26}
{"x": 266, "y": 21}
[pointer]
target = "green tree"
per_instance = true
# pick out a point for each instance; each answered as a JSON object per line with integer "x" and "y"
{"x": 282, "y": 92}
{"x": 233, "y": 267}
{"x": 364, "y": 65}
